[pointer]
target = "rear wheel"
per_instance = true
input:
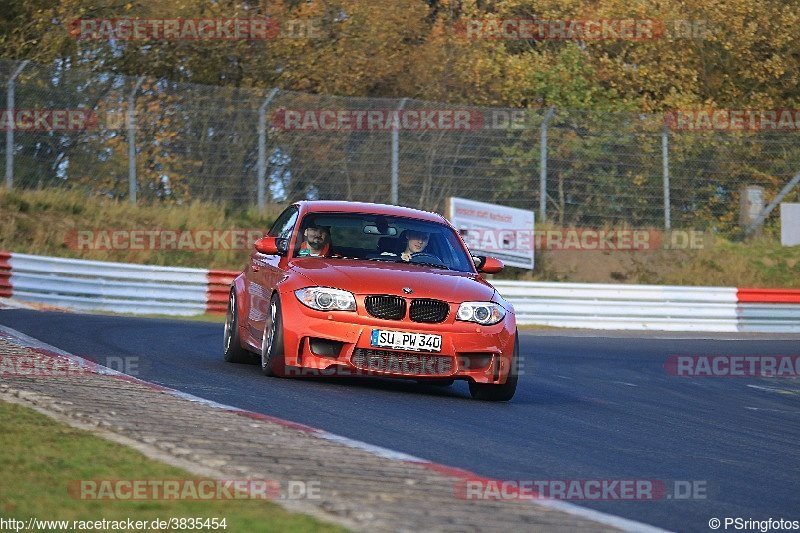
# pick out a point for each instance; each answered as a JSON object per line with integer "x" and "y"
{"x": 232, "y": 343}
{"x": 504, "y": 392}
{"x": 272, "y": 350}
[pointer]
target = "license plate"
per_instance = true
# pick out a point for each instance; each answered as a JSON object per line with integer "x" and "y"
{"x": 401, "y": 340}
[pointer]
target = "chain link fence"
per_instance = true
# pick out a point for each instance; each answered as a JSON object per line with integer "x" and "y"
{"x": 156, "y": 140}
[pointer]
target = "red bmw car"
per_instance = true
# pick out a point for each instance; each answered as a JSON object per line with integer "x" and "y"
{"x": 342, "y": 288}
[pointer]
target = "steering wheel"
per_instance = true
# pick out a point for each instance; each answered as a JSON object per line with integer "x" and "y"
{"x": 425, "y": 257}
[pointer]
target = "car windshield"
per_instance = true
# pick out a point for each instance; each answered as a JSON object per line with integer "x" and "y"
{"x": 381, "y": 238}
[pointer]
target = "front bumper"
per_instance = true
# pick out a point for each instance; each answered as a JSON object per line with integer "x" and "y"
{"x": 337, "y": 343}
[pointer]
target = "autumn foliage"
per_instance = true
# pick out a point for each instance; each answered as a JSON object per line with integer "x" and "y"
{"x": 712, "y": 53}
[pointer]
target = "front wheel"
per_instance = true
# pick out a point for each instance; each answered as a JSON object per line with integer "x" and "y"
{"x": 272, "y": 349}
{"x": 504, "y": 392}
{"x": 232, "y": 343}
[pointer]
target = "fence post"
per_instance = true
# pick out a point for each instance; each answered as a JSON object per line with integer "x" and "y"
{"x": 396, "y": 153}
{"x": 762, "y": 216}
{"x": 12, "y": 123}
{"x": 132, "y": 141}
{"x": 665, "y": 173}
{"x": 262, "y": 147}
{"x": 543, "y": 165}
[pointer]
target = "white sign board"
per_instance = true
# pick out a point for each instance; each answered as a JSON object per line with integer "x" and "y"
{"x": 790, "y": 224}
{"x": 490, "y": 229}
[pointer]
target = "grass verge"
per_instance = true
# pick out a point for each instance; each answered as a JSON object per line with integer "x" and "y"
{"x": 39, "y": 457}
{"x": 759, "y": 262}
{"x": 47, "y": 222}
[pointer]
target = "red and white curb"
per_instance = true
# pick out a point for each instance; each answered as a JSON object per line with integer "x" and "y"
{"x": 768, "y": 296}
{"x": 218, "y": 289}
{"x": 5, "y": 275}
{"x": 44, "y": 349}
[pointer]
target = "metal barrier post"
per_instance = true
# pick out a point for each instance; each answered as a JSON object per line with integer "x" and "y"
{"x": 665, "y": 173}
{"x": 396, "y": 154}
{"x": 543, "y": 165}
{"x": 10, "y": 131}
{"x": 262, "y": 147}
{"x": 132, "y": 141}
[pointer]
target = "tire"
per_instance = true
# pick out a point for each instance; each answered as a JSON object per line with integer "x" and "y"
{"x": 272, "y": 348}
{"x": 232, "y": 343}
{"x": 504, "y": 392}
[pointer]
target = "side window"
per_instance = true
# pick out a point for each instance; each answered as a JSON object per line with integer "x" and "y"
{"x": 452, "y": 249}
{"x": 284, "y": 224}
{"x": 441, "y": 248}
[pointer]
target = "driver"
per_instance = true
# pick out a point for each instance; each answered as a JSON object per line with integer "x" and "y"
{"x": 416, "y": 241}
{"x": 316, "y": 243}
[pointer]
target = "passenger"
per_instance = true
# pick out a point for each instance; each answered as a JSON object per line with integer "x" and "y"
{"x": 316, "y": 243}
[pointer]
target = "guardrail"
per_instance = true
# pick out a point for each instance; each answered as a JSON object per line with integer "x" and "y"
{"x": 603, "y": 306}
{"x": 653, "y": 307}
{"x": 116, "y": 287}
{"x": 142, "y": 289}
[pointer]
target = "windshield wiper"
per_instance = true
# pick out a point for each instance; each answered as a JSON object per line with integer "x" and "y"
{"x": 395, "y": 259}
{"x": 435, "y": 265}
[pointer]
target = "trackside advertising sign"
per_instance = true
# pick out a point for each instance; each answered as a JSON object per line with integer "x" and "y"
{"x": 790, "y": 224}
{"x": 489, "y": 229}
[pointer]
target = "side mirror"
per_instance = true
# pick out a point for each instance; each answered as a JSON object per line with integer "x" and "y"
{"x": 490, "y": 265}
{"x": 270, "y": 246}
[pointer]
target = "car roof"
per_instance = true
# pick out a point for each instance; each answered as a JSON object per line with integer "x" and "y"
{"x": 333, "y": 206}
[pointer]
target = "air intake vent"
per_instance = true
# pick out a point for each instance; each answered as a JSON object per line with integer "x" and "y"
{"x": 386, "y": 307}
{"x": 431, "y": 311}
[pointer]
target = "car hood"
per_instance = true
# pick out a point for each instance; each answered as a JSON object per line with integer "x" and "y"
{"x": 377, "y": 277}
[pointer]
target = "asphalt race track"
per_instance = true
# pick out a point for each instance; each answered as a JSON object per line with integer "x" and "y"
{"x": 586, "y": 408}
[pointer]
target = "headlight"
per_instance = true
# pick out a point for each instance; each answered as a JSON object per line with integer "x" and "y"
{"x": 485, "y": 313}
{"x": 325, "y": 299}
